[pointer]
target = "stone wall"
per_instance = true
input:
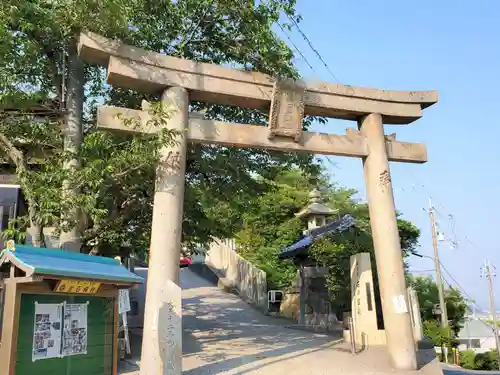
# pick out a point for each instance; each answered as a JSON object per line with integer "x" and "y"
{"x": 249, "y": 282}
{"x": 318, "y": 312}
{"x": 290, "y": 304}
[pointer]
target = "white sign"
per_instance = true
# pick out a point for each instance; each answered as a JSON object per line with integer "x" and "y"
{"x": 400, "y": 304}
{"x": 47, "y": 331}
{"x": 75, "y": 329}
{"x": 123, "y": 301}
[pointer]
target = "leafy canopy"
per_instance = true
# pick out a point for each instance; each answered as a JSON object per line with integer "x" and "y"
{"x": 116, "y": 178}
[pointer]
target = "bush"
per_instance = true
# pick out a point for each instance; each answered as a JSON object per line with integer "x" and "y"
{"x": 440, "y": 336}
{"x": 467, "y": 358}
{"x": 487, "y": 361}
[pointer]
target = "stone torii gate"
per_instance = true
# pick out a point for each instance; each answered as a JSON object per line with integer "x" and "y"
{"x": 288, "y": 101}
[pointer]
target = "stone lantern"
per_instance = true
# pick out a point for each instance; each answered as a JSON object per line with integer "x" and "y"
{"x": 316, "y": 213}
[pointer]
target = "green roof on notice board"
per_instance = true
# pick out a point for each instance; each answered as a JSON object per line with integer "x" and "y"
{"x": 55, "y": 262}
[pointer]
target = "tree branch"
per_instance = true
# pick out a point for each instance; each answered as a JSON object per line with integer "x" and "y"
{"x": 13, "y": 153}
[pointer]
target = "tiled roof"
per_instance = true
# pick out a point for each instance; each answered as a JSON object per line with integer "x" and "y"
{"x": 300, "y": 247}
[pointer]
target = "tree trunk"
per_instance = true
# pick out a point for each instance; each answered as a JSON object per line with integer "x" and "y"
{"x": 37, "y": 235}
{"x": 73, "y": 136}
{"x": 35, "y": 230}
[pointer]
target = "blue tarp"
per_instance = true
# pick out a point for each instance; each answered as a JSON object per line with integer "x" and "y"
{"x": 62, "y": 264}
{"x": 300, "y": 247}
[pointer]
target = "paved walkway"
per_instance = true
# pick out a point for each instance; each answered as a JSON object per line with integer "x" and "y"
{"x": 223, "y": 335}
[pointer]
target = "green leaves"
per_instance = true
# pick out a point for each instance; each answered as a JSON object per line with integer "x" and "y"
{"x": 268, "y": 223}
{"x": 428, "y": 296}
{"x": 440, "y": 336}
{"x": 117, "y": 174}
{"x": 487, "y": 361}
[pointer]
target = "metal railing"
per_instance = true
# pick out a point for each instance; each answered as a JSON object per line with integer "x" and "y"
{"x": 350, "y": 322}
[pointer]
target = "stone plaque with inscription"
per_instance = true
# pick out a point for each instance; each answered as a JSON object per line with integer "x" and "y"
{"x": 167, "y": 327}
{"x": 170, "y": 332}
{"x": 287, "y": 109}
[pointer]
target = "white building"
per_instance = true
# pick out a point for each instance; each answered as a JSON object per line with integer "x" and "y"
{"x": 477, "y": 334}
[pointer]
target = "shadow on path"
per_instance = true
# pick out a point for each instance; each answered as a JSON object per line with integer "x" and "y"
{"x": 223, "y": 333}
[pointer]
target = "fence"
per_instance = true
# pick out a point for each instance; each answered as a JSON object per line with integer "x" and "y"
{"x": 249, "y": 281}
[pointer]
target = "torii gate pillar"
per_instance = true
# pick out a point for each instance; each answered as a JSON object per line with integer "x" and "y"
{"x": 162, "y": 331}
{"x": 386, "y": 242}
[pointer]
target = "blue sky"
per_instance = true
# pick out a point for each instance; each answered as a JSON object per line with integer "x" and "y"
{"x": 452, "y": 47}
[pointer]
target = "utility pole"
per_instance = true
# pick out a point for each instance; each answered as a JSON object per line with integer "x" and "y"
{"x": 489, "y": 272}
{"x": 437, "y": 264}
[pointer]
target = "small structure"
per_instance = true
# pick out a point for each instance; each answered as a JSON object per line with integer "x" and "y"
{"x": 59, "y": 311}
{"x": 316, "y": 213}
{"x": 366, "y": 309}
{"x": 312, "y": 277}
{"x": 311, "y": 280}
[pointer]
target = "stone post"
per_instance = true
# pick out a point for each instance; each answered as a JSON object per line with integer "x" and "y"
{"x": 364, "y": 312}
{"x": 418, "y": 331}
{"x": 302, "y": 296}
{"x": 386, "y": 242}
{"x": 162, "y": 341}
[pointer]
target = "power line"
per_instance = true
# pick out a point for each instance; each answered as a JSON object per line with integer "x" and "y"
{"x": 458, "y": 286}
{"x": 449, "y": 216}
{"x": 318, "y": 55}
{"x": 470, "y": 298}
{"x": 471, "y": 301}
{"x": 295, "y": 23}
{"x": 295, "y": 46}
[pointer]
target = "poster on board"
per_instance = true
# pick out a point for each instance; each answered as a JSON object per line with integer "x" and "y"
{"x": 123, "y": 301}
{"x": 47, "y": 331}
{"x": 74, "y": 338}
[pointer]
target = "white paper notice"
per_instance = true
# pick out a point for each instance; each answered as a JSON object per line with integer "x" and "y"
{"x": 75, "y": 329}
{"x": 123, "y": 301}
{"x": 400, "y": 304}
{"x": 47, "y": 331}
